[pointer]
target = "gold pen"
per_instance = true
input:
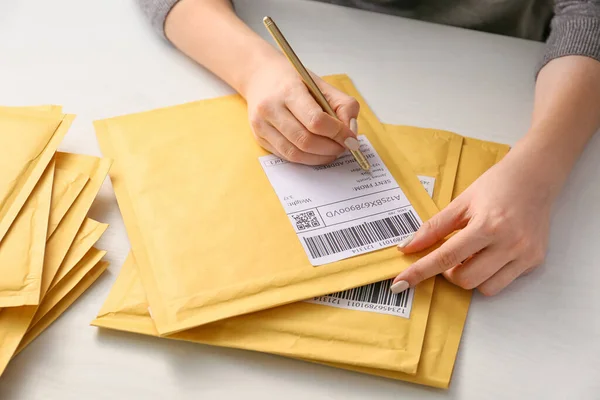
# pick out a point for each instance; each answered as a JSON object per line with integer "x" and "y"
{"x": 309, "y": 82}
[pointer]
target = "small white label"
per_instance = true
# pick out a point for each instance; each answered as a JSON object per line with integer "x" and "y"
{"x": 340, "y": 211}
{"x": 375, "y": 297}
{"x": 428, "y": 183}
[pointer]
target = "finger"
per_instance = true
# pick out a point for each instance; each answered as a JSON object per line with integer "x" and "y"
{"x": 267, "y": 146}
{"x": 258, "y": 126}
{"x": 346, "y": 107}
{"x": 528, "y": 271}
{"x": 450, "y": 219}
{"x": 456, "y": 249}
{"x": 501, "y": 279}
{"x": 478, "y": 269}
{"x": 296, "y": 133}
{"x": 288, "y": 151}
{"x": 311, "y": 115}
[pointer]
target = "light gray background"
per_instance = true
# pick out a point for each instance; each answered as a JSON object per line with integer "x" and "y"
{"x": 539, "y": 339}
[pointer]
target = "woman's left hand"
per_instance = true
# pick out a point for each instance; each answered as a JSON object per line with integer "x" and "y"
{"x": 503, "y": 220}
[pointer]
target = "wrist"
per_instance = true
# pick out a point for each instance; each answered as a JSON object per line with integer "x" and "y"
{"x": 546, "y": 164}
{"x": 263, "y": 57}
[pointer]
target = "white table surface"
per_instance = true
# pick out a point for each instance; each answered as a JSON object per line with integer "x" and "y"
{"x": 538, "y": 339}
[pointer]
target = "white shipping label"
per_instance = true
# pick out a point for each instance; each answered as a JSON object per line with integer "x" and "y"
{"x": 340, "y": 211}
{"x": 428, "y": 183}
{"x": 375, "y": 297}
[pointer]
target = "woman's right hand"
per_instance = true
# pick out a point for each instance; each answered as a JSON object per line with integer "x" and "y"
{"x": 288, "y": 122}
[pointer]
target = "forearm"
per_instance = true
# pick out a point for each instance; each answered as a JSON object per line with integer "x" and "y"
{"x": 566, "y": 115}
{"x": 209, "y": 32}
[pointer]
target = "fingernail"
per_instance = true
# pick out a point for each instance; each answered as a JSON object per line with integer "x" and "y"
{"x": 405, "y": 242}
{"x": 352, "y": 143}
{"x": 399, "y": 287}
{"x": 354, "y": 126}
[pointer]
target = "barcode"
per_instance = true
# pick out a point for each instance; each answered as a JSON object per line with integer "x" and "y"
{"x": 361, "y": 235}
{"x": 376, "y": 293}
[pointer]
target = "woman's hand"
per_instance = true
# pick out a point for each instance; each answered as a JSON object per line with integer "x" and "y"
{"x": 503, "y": 218}
{"x": 289, "y": 123}
{"x": 286, "y": 120}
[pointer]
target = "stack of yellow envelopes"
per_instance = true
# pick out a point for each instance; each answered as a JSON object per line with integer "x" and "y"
{"x": 46, "y": 241}
{"x": 224, "y": 254}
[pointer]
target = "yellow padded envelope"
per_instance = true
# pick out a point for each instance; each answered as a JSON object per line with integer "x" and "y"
{"x": 22, "y": 250}
{"x": 15, "y": 321}
{"x": 62, "y": 305}
{"x": 298, "y": 329}
{"x": 126, "y": 308}
{"x": 67, "y": 185}
{"x": 317, "y": 330}
{"x": 89, "y": 233}
{"x": 311, "y": 330}
{"x": 209, "y": 233}
{"x": 288, "y": 330}
{"x": 59, "y": 243}
{"x": 65, "y": 285}
{"x": 28, "y": 140}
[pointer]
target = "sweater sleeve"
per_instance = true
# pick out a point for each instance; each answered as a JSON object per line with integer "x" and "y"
{"x": 574, "y": 30}
{"x": 156, "y": 11}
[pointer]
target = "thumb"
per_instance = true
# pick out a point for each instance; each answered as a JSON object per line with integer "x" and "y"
{"x": 450, "y": 219}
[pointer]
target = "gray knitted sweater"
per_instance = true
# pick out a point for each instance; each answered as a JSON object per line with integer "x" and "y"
{"x": 569, "y": 27}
